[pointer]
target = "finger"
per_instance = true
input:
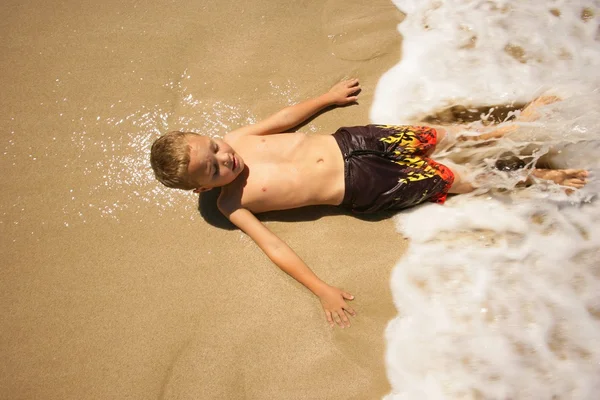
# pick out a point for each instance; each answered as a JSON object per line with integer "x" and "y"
{"x": 351, "y": 99}
{"x": 347, "y": 295}
{"x": 344, "y": 317}
{"x": 573, "y": 182}
{"x": 337, "y": 319}
{"x": 329, "y": 319}
{"x": 350, "y": 311}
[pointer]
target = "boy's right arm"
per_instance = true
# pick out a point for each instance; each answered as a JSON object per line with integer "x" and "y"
{"x": 332, "y": 299}
{"x": 342, "y": 93}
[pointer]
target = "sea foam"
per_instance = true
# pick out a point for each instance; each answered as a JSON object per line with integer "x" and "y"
{"x": 487, "y": 52}
{"x": 498, "y": 295}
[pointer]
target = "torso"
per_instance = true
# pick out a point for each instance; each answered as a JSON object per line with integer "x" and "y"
{"x": 288, "y": 170}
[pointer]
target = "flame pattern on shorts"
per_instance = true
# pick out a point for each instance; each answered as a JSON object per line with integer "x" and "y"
{"x": 410, "y": 146}
{"x": 388, "y": 167}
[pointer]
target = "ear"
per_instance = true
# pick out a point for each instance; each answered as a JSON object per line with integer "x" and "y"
{"x": 201, "y": 189}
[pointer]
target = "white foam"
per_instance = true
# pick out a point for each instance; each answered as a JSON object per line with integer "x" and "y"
{"x": 495, "y": 304}
{"x": 499, "y": 293}
{"x": 454, "y": 53}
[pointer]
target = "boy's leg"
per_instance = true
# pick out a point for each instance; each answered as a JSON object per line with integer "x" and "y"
{"x": 460, "y": 185}
{"x": 575, "y": 178}
{"x": 454, "y": 133}
{"x": 567, "y": 177}
{"x": 528, "y": 114}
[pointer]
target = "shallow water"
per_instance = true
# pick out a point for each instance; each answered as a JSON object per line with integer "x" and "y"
{"x": 497, "y": 296}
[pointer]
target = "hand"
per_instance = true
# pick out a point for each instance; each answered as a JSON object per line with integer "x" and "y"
{"x": 332, "y": 300}
{"x": 344, "y": 92}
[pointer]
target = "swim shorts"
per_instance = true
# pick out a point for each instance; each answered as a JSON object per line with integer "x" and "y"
{"x": 386, "y": 167}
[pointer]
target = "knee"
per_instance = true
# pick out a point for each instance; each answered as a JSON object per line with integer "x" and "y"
{"x": 460, "y": 185}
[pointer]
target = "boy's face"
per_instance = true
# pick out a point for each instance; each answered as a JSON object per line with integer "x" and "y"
{"x": 213, "y": 163}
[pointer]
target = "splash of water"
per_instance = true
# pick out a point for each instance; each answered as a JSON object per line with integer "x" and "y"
{"x": 499, "y": 293}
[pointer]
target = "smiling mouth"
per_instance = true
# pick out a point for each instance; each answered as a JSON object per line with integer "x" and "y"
{"x": 234, "y": 163}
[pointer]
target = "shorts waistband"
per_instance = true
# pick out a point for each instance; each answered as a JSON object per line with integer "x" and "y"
{"x": 341, "y": 138}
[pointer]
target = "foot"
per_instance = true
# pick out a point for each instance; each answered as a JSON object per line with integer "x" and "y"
{"x": 529, "y": 113}
{"x": 566, "y": 177}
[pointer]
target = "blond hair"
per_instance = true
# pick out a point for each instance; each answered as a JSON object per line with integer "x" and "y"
{"x": 170, "y": 158}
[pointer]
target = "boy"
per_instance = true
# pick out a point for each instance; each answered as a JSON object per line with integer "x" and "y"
{"x": 366, "y": 169}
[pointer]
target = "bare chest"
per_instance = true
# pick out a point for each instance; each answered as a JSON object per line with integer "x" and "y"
{"x": 290, "y": 170}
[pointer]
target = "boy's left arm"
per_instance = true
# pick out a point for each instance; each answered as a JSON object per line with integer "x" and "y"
{"x": 344, "y": 92}
{"x": 332, "y": 299}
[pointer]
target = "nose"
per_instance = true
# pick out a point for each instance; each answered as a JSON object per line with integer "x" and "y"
{"x": 224, "y": 158}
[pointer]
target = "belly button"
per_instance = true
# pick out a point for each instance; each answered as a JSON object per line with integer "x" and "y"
{"x": 320, "y": 160}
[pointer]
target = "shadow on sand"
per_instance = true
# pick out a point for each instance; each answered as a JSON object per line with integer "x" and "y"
{"x": 207, "y": 206}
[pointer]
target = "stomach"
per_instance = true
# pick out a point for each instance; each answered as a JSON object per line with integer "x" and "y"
{"x": 294, "y": 170}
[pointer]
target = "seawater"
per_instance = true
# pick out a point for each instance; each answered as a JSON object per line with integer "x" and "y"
{"x": 498, "y": 295}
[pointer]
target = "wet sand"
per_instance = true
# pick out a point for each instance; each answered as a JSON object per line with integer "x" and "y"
{"x": 113, "y": 287}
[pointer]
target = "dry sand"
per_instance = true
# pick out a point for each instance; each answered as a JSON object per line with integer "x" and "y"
{"x": 112, "y": 287}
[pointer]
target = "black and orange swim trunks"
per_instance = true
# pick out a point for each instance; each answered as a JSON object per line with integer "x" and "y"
{"x": 387, "y": 167}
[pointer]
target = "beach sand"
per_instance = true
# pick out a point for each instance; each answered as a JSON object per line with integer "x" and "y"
{"x": 113, "y": 287}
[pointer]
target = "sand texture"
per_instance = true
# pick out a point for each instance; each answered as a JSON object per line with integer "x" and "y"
{"x": 115, "y": 288}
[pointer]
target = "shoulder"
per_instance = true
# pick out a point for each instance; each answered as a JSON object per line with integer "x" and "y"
{"x": 230, "y": 199}
{"x": 238, "y": 138}
{"x": 230, "y": 205}
{"x": 231, "y": 138}
{"x": 238, "y": 133}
